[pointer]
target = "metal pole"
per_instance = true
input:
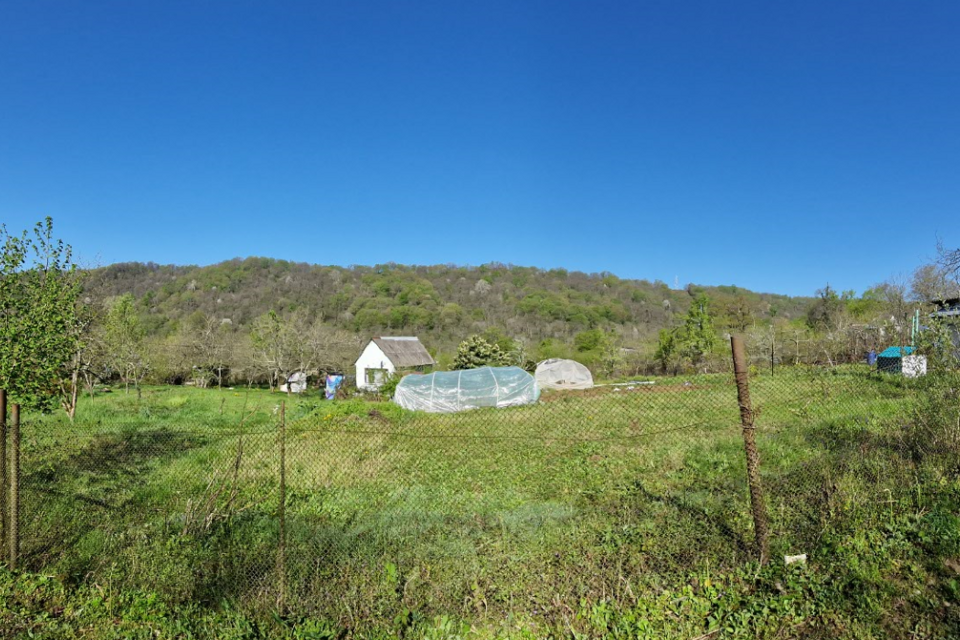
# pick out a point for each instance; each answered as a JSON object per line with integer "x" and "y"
{"x": 14, "y": 536}
{"x": 773, "y": 349}
{"x": 757, "y": 504}
{"x": 3, "y": 477}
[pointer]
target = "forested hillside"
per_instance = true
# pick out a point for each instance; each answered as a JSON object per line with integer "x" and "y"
{"x": 442, "y": 304}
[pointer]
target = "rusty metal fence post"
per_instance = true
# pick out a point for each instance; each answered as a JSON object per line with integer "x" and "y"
{"x": 3, "y": 477}
{"x": 13, "y": 537}
{"x": 757, "y": 504}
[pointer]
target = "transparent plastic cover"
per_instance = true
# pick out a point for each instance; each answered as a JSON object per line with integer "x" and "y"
{"x": 452, "y": 391}
{"x": 557, "y": 373}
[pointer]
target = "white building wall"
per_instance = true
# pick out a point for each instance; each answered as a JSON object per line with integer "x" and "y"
{"x": 914, "y": 366}
{"x": 373, "y": 358}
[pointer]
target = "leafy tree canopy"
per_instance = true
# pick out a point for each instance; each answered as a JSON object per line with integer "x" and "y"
{"x": 39, "y": 292}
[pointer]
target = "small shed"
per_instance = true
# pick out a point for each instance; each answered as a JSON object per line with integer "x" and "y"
{"x": 948, "y": 312}
{"x": 296, "y": 383}
{"x": 901, "y": 360}
{"x": 385, "y": 355}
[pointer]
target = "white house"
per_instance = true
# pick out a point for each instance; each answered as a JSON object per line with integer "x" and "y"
{"x": 386, "y": 355}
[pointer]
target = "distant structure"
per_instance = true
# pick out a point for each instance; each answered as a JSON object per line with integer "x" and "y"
{"x": 901, "y": 360}
{"x": 453, "y": 391}
{"x": 557, "y": 373}
{"x": 386, "y": 355}
{"x": 296, "y": 383}
{"x": 948, "y": 311}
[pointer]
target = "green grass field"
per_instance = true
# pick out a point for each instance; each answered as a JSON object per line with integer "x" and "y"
{"x": 620, "y": 512}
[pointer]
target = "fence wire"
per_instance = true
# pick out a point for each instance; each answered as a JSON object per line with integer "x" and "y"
{"x": 602, "y": 494}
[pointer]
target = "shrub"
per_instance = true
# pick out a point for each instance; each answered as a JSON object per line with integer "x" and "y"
{"x": 389, "y": 386}
{"x": 475, "y": 352}
{"x": 935, "y": 428}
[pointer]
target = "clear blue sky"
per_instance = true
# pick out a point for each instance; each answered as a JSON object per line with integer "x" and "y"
{"x": 777, "y": 146}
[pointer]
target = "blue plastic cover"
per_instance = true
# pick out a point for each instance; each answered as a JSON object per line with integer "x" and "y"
{"x": 896, "y": 352}
{"x": 333, "y": 383}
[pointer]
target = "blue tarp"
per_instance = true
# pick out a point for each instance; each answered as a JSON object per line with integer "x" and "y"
{"x": 333, "y": 383}
{"x": 896, "y": 352}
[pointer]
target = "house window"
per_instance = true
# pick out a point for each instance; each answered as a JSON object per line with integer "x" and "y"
{"x": 376, "y": 376}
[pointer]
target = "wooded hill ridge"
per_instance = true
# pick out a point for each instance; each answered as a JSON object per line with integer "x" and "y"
{"x": 441, "y": 303}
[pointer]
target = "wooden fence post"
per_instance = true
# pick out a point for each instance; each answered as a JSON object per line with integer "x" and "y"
{"x": 282, "y": 543}
{"x": 3, "y": 477}
{"x": 757, "y": 503}
{"x": 13, "y": 537}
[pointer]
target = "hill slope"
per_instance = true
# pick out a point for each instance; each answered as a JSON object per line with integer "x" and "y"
{"x": 442, "y": 302}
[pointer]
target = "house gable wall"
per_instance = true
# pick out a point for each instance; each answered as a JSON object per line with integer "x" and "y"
{"x": 372, "y": 357}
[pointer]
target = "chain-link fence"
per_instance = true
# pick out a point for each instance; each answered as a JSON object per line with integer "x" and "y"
{"x": 359, "y": 511}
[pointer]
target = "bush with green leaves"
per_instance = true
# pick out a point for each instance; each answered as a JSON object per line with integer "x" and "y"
{"x": 475, "y": 352}
{"x": 692, "y": 341}
{"x": 39, "y": 292}
{"x": 389, "y": 385}
{"x": 935, "y": 424}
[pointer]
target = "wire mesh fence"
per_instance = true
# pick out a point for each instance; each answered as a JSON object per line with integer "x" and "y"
{"x": 358, "y": 511}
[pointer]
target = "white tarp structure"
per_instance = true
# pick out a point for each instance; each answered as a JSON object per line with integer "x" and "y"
{"x": 296, "y": 383}
{"x": 558, "y": 373}
{"x": 452, "y": 391}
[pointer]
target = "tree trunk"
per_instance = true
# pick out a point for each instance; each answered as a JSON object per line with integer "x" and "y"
{"x": 69, "y": 394}
{"x": 74, "y": 392}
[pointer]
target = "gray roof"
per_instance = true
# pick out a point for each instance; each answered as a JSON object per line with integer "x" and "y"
{"x": 947, "y": 308}
{"x": 404, "y": 351}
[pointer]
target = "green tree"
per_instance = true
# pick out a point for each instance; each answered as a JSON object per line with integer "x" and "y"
{"x": 827, "y": 310}
{"x": 600, "y": 349}
{"x": 553, "y": 348}
{"x": 739, "y": 313}
{"x": 451, "y": 315}
{"x": 867, "y": 306}
{"x": 206, "y": 345}
{"x": 124, "y": 342}
{"x": 496, "y": 336}
{"x": 270, "y": 346}
{"x": 611, "y": 356}
{"x": 666, "y": 352}
{"x": 39, "y": 292}
{"x": 81, "y": 363}
{"x": 692, "y": 340}
{"x": 590, "y": 340}
{"x": 476, "y": 352}
{"x": 697, "y": 336}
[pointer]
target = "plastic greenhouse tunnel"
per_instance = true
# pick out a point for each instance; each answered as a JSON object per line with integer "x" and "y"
{"x": 452, "y": 391}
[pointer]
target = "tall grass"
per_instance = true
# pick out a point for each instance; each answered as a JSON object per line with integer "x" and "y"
{"x": 497, "y": 517}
